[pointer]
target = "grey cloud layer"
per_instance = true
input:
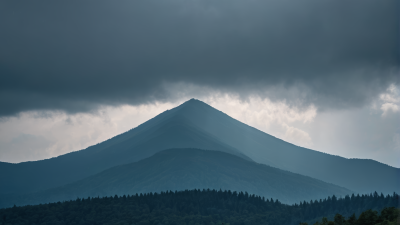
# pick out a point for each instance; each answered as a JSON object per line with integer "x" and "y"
{"x": 77, "y": 55}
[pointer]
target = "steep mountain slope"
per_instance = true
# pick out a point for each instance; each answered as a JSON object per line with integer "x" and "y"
{"x": 195, "y": 124}
{"x": 180, "y": 169}
{"x": 171, "y": 132}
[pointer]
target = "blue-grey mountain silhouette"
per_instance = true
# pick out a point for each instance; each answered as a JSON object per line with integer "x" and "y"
{"x": 195, "y": 124}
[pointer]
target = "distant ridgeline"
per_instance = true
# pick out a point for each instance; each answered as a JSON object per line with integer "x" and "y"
{"x": 209, "y": 207}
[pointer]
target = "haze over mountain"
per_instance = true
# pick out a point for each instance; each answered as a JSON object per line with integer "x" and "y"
{"x": 195, "y": 124}
{"x": 181, "y": 169}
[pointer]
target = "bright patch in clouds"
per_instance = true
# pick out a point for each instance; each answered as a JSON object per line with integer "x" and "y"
{"x": 275, "y": 118}
{"x": 390, "y": 100}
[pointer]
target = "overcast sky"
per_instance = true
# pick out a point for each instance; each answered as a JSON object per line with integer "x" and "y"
{"x": 319, "y": 74}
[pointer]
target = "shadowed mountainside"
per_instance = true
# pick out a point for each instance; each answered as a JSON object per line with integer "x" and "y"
{"x": 181, "y": 169}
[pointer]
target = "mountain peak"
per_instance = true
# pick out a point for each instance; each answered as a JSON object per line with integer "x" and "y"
{"x": 194, "y": 103}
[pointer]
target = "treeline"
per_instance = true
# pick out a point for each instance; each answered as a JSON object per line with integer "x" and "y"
{"x": 388, "y": 216}
{"x": 192, "y": 207}
{"x": 346, "y": 206}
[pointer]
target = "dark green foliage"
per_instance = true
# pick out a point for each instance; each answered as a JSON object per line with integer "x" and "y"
{"x": 208, "y": 207}
{"x": 368, "y": 217}
{"x": 339, "y": 219}
{"x": 352, "y": 220}
{"x": 389, "y": 216}
{"x": 347, "y": 206}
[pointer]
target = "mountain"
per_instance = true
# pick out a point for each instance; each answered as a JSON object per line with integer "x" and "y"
{"x": 195, "y": 124}
{"x": 185, "y": 169}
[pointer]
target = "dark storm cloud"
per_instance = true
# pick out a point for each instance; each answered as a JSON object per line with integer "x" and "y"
{"x": 77, "y": 55}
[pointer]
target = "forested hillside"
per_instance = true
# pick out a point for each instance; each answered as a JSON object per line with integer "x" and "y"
{"x": 388, "y": 216}
{"x": 347, "y": 206}
{"x": 188, "y": 207}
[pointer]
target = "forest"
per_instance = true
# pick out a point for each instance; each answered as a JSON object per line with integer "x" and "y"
{"x": 388, "y": 216}
{"x": 210, "y": 207}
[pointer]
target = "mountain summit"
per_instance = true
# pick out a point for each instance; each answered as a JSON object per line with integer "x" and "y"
{"x": 194, "y": 124}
